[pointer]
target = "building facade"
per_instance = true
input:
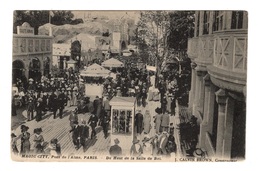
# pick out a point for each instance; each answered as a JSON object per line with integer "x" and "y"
{"x": 32, "y": 54}
{"x": 218, "y": 52}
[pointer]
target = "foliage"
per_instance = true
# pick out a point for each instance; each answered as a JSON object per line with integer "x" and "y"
{"x": 163, "y": 34}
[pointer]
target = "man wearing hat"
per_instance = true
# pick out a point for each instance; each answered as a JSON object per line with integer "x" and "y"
{"x": 139, "y": 121}
{"x": 62, "y": 102}
{"x": 38, "y": 108}
{"x": 30, "y": 109}
{"x": 84, "y": 134}
{"x": 76, "y": 135}
{"x": 53, "y": 100}
{"x": 73, "y": 117}
{"x": 93, "y": 123}
{"x": 115, "y": 150}
{"x": 105, "y": 119}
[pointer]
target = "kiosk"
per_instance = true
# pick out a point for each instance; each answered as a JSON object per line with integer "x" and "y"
{"x": 122, "y": 119}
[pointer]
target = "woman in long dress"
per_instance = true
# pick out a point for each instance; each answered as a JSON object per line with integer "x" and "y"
{"x": 158, "y": 120}
{"x": 147, "y": 122}
{"x": 25, "y": 142}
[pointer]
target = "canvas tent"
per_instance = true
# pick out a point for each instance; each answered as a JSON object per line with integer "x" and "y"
{"x": 112, "y": 63}
{"x": 95, "y": 70}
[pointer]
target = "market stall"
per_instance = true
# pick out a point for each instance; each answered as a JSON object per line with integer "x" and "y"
{"x": 93, "y": 77}
{"x": 122, "y": 119}
{"x": 112, "y": 63}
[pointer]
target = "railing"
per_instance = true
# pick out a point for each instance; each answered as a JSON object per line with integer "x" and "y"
{"x": 192, "y": 47}
{"x": 230, "y": 50}
{"x": 27, "y": 45}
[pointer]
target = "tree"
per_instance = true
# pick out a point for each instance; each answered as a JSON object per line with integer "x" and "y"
{"x": 162, "y": 35}
{"x": 153, "y": 30}
{"x": 182, "y": 28}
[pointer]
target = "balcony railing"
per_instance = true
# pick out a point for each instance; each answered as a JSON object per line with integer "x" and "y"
{"x": 230, "y": 51}
{"x": 227, "y": 49}
{"x": 192, "y": 47}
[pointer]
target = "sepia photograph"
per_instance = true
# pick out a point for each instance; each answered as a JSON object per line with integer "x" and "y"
{"x": 131, "y": 86}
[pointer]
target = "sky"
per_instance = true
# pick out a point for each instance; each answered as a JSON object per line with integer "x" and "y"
{"x": 108, "y": 13}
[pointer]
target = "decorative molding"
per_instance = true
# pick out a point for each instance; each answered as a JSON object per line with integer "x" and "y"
{"x": 221, "y": 97}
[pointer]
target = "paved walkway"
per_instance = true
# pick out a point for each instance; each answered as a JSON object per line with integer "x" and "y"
{"x": 59, "y": 128}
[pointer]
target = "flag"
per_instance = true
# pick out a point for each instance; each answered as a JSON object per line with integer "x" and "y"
{"x": 51, "y": 13}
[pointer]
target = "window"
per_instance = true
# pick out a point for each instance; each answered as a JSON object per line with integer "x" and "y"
{"x": 237, "y": 20}
{"x": 206, "y": 22}
{"x": 23, "y": 45}
{"x": 36, "y": 47}
{"x": 122, "y": 122}
{"x": 30, "y": 46}
{"x": 198, "y": 24}
{"x": 43, "y": 45}
{"x": 218, "y": 21}
{"x": 48, "y": 45}
{"x": 15, "y": 45}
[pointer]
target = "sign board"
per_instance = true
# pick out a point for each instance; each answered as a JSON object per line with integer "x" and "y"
{"x": 25, "y": 29}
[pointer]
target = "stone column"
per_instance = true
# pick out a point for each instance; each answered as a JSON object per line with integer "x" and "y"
{"x": 201, "y": 23}
{"x": 228, "y": 128}
{"x": 221, "y": 100}
{"x": 199, "y": 92}
{"x": 193, "y": 85}
{"x": 42, "y": 64}
{"x": 208, "y": 111}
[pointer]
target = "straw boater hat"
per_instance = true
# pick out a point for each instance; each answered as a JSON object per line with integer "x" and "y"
{"x": 116, "y": 141}
{"x": 198, "y": 153}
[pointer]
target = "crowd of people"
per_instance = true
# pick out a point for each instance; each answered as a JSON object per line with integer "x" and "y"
{"x": 56, "y": 92}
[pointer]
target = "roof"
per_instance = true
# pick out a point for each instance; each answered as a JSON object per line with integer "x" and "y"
{"x": 123, "y": 101}
{"x": 95, "y": 70}
{"x": 112, "y": 62}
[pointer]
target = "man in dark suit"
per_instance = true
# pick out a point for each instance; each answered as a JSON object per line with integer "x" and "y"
{"x": 53, "y": 100}
{"x": 115, "y": 150}
{"x": 93, "y": 123}
{"x": 76, "y": 135}
{"x": 105, "y": 123}
{"x": 62, "y": 102}
{"x": 84, "y": 134}
{"x": 139, "y": 122}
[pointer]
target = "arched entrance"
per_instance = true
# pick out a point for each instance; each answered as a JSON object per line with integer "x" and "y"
{"x": 18, "y": 70}
{"x": 35, "y": 69}
{"x": 46, "y": 66}
{"x": 76, "y": 52}
{"x": 123, "y": 45}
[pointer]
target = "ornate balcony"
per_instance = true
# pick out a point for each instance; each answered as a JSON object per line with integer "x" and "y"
{"x": 230, "y": 50}
{"x": 224, "y": 55}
